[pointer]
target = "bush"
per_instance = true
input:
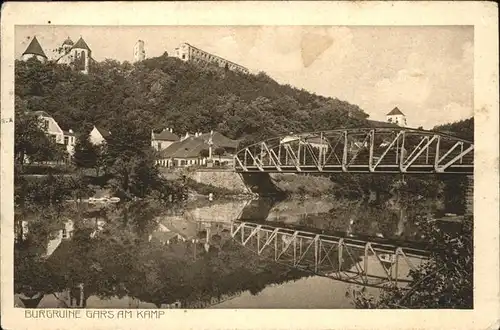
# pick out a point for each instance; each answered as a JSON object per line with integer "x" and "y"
{"x": 444, "y": 281}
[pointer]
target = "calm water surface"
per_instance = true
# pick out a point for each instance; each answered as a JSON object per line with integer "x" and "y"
{"x": 131, "y": 256}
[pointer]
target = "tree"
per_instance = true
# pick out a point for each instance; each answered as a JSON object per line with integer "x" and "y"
{"x": 30, "y": 139}
{"x": 204, "y": 153}
{"x": 445, "y": 281}
{"x": 86, "y": 154}
{"x": 219, "y": 151}
{"x": 130, "y": 159}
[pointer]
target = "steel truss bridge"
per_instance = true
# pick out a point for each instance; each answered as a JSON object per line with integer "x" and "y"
{"x": 344, "y": 259}
{"x": 362, "y": 150}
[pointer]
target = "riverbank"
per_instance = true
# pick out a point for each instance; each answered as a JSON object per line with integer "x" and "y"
{"x": 230, "y": 184}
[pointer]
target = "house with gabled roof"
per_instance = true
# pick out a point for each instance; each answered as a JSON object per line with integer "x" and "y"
{"x": 397, "y": 117}
{"x": 55, "y": 132}
{"x": 198, "y": 149}
{"x": 99, "y": 135}
{"x": 163, "y": 139}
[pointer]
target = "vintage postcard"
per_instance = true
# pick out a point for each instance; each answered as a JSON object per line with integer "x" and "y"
{"x": 263, "y": 165}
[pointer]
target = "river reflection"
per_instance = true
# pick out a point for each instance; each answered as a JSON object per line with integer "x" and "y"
{"x": 138, "y": 256}
{"x": 392, "y": 220}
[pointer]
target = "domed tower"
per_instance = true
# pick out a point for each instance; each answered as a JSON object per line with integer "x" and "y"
{"x": 34, "y": 50}
{"x": 139, "y": 52}
{"x": 67, "y": 45}
{"x": 81, "y": 55}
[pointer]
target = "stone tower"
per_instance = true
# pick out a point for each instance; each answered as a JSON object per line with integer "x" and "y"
{"x": 139, "y": 52}
{"x": 34, "y": 50}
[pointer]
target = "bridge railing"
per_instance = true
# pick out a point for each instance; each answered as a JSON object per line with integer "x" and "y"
{"x": 359, "y": 150}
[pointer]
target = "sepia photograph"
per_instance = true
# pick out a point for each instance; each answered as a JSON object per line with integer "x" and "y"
{"x": 312, "y": 167}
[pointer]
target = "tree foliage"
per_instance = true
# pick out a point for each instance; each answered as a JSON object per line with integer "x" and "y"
{"x": 445, "y": 281}
{"x": 168, "y": 92}
{"x": 30, "y": 141}
{"x": 463, "y": 129}
{"x": 86, "y": 154}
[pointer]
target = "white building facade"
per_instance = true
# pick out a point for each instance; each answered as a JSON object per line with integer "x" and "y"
{"x": 54, "y": 131}
{"x": 187, "y": 52}
{"x": 395, "y": 116}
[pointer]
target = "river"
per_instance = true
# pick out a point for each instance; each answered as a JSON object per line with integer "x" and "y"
{"x": 136, "y": 256}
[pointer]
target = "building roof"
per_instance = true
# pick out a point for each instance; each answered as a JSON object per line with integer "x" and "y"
{"x": 220, "y": 140}
{"x": 192, "y": 146}
{"x": 68, "y": 41}
{"x": 395, "y": 111}
{"x": 81, "y": 44}
{"x": 35, "y": 48}
{"x": 165, "y": 135}
{"x": 163, "y": 236}
{"x": 41, "y": 113}
{"x": 104, "y": 133}
{"x": 188, "y": 148}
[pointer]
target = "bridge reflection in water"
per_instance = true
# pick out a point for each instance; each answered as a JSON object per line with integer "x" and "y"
{"x": 365, "y": 263}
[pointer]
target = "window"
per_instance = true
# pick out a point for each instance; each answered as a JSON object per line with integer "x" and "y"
{"x": 66, "y": 140}
{"x": 183, "y": 56}
{"x": 45, "y": 124}
{"x": 159, "y": 145}
{"x": 64, "y": 233}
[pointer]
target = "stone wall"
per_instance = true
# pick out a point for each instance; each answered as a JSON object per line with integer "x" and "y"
{"x": 221, "y": 179}
{"x": 264, "y": 184}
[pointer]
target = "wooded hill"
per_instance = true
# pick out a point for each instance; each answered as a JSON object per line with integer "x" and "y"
{"x": 167, "y": 92}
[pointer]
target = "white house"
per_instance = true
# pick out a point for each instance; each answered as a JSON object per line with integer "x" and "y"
{"x": 164, "y": 139}
{"x": 395, "y": 116}
{"x": 315, "y": 142}
{"x": 54, "y": 131}
{"x": 98, "y": 135}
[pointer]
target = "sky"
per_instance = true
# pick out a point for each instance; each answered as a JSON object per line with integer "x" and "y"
{"x": 427, "y": 72}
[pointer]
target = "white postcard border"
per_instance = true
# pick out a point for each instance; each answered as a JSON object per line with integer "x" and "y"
{"x": 482, "y": 15}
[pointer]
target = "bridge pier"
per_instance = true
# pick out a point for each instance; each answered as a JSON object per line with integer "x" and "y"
{"x": 469, "y": 196}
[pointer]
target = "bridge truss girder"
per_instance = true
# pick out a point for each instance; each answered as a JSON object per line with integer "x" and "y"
{"x": 349, "y": 260}
{"x": 360, "y": 151}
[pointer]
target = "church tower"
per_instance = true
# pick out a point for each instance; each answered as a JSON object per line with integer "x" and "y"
{"x": 34, "y": 50}
{"x": 139, "y": 52}
{"x": 67, "y": 45}
{"x": 81, "y": 55}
